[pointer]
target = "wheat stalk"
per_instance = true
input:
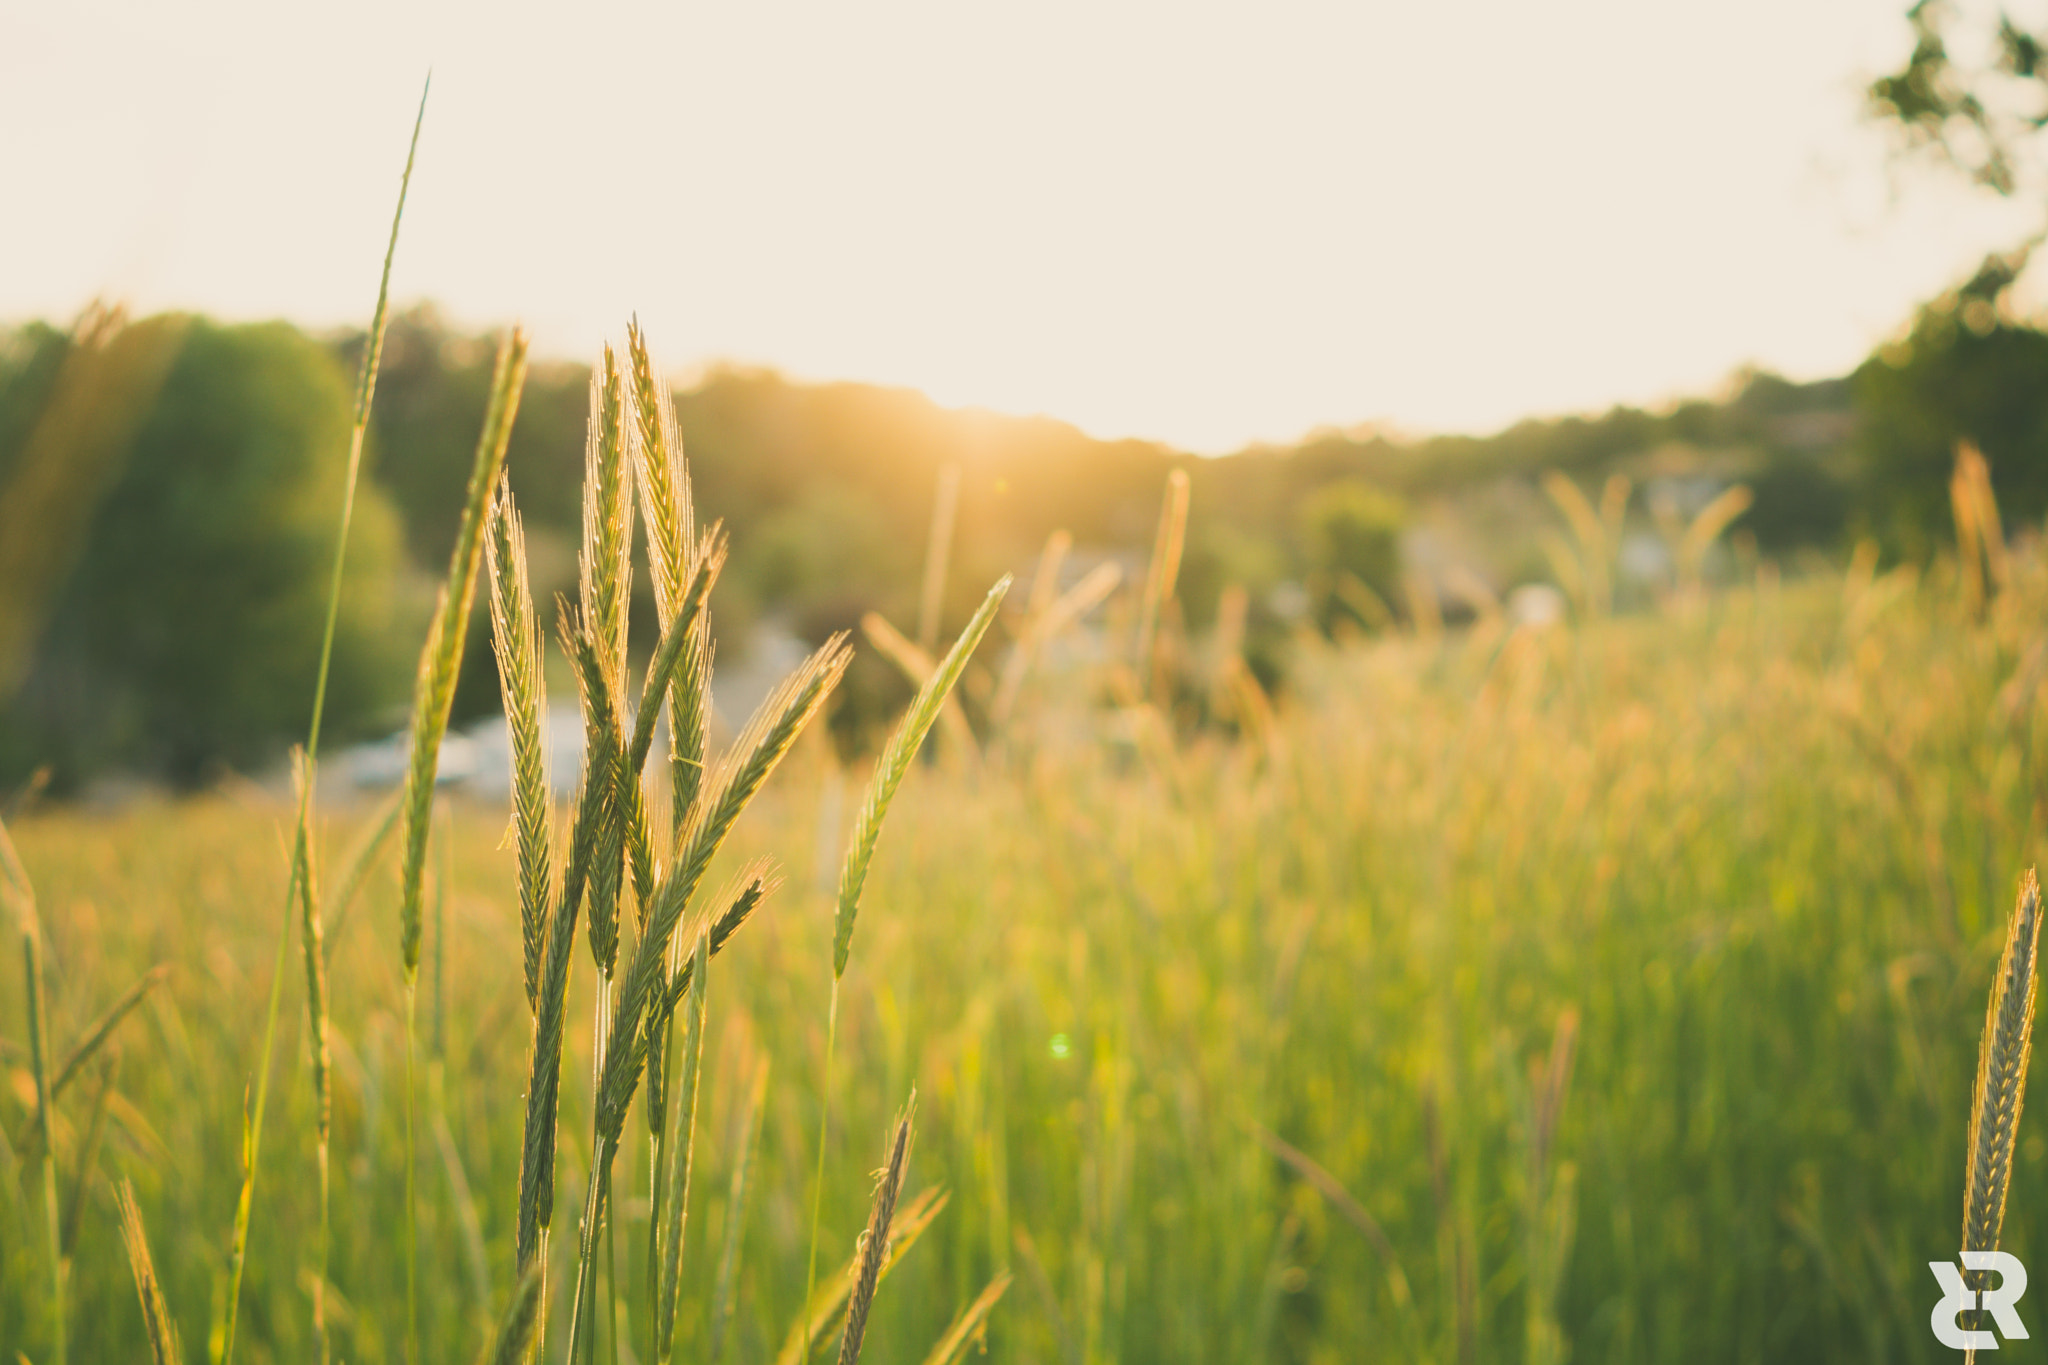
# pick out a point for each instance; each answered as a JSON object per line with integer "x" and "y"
{"x": 889, "y": 772}
{"x": 300, "y": 877}
{"x": 874, "y": 1241}
{"x": 722, "y": 1292}
{"x": 753, "y": 756}
{"x": 15, "y": 883}
{"x": 516, "y": 641}
{"x": 442, "y": 656}
{"x": 537, "y": 1152}
{"x": 440, "y": 661}
{"x": 828, "y": 1304}
{"x": 2001, "y": 1079}
{"x": 667, "y": 507}
{"x": 164, "y": 1348}
{"x": 667, "y": 1253}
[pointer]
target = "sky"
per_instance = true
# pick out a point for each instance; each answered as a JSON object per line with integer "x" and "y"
{"x": 1204, "y": 224}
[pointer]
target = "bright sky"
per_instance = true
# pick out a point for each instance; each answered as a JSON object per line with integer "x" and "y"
{"x": 1208, "y": 224}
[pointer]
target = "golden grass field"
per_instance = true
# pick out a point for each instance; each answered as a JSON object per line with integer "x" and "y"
{"x": 1605, "y": 992}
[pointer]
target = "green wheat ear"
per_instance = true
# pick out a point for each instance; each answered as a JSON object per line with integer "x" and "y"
{"x": 2002, "y": 1075}
{"x": 874, "y": 1242}
{"x": 516, "y": 639}
{"x": 442, "y": 656}
{"x": 894, "y": 763}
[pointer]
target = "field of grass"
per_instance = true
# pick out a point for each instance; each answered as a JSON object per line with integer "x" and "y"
{"x": 1609, "y": 992}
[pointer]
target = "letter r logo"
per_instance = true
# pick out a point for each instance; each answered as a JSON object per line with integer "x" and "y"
{"x": 1958, "y": 1298}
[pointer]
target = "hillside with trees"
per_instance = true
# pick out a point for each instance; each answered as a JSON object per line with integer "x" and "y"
{"x": 165, "y": 558}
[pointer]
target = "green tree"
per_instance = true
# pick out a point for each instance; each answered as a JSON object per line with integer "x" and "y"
{"x": 1964, "y": 372}
{"x": 1351, "y": 537}
{"x": 189, "y": 630}
{"x": 1983, "y": 117}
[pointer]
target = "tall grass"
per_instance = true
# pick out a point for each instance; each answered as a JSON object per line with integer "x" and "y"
{"x": 1100, "y": 976}
{"x": 301, "y": 881}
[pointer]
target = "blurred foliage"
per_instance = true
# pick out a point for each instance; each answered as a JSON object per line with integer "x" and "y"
{"x": 1351, "y": 531}
{"x": 188, "y": 632}
{"x": 827, "y": 491}
{"x": 1966, "y": 371}
{"x": 1981, "y": 112}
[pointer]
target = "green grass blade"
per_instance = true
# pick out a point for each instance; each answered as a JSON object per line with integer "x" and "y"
{"x": 736, "y": 1218}
{"x": 442, "y": 657}
{"x": 683, "y": 1161}
{"x": 891, "y": 767}
{"x": 516, "y": 1335}
{"x": 164, "y": 1348}
{"x": 39, "y": 1061}
{"x": 361, "y": 858}
{"x": 366, "y": 386}
{"x": 954, "y": 1343}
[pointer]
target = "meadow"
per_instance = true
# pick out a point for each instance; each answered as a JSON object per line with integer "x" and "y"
{"x": 1605, "y": 991}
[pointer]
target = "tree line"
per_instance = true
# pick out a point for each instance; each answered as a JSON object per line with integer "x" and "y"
{"x": 168, "y": 489}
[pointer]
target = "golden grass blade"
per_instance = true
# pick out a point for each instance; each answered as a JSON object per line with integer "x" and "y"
{"x": 96, "y": 1033}
{"x": 916, "y": 664}
{"x": 164, "y": 1348}
{"x": 1045, "y": 586}
{"x": 891, "y": 767}
{"x": 829, "y": 1302}
{"x": 874, "y": 1242}
{"x": 932, "y": 595}
{"x": 89, "y": 1043}
{"x": 1341, "y": 1199}
{"x": 968, "y": 1325}
{"x": 667, "y": 507}
{"x": 1588, "y": 530}
{"x": 1969, "y": 545}
{"x": 1161, "y": 575}
{"x": 663, "y": 478}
